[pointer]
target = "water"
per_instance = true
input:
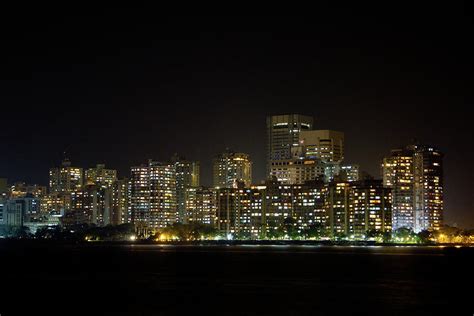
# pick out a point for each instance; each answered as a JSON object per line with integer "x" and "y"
{"x": 92, "y": 279}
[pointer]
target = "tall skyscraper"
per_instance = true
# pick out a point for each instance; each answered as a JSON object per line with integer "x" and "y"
{"x": 187, "y": 176}
{"x": 337, "y": 208}
{"x": 326, "y": 145}
{"x": 101, "y": 176}
{"x": 65, "y": 179}
{"x": 232, "y": 168}
{"x": 120, "y": 191}
{"x": 415, "y": 175}
{"x": 152, "y": 201}
{"x": 283, "y": 132}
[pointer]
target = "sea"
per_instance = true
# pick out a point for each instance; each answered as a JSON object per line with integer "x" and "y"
{"x": 48, "y": 278}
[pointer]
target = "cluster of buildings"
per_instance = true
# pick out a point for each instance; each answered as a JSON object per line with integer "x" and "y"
{"x": 308, "y": 181}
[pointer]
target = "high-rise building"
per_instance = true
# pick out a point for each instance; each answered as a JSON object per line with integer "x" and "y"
{"x": 326, "y": 145}
{"x": 152, "y": 202}
{"x": 18, "y": 211}
{"x": 95, "y": 203}
{"x": 415, "y": 175}
{"x": 337, "y": 209}
{"x": 54, "y": 202}
{"x": 120, "y": 191}
{"x": 201, "y": 205}
{"x": 429, "y": 188}
{"x": 296, "y": 170}
{"x": 349, "y": 172}
{"x": 370, "y": 208}
{"x": 101, "y": 176}
{"x": 65, "y": 179}
{"x": 187, "y": 176}
{"x": 239, "y": 211}
{"x": 21, "y": 189}
{"x": 336, "y": 171}
{"x": 303, "y": 203}
{"x": 232, "y": 168}
{"x": 139, "y": 198}
{"x": 336, "y": 205}
{"x": 283, "y": 132}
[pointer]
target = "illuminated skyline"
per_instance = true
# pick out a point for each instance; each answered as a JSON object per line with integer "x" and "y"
{"x": 153, "y": 87}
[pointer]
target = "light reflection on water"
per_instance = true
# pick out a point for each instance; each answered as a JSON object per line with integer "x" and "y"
{"x": 396, "y": 250}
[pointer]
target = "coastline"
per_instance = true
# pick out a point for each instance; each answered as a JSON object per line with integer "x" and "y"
{"x": 291, "y": 243}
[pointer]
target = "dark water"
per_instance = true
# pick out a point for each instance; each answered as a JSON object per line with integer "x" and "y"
{"x": 97, "y": 279}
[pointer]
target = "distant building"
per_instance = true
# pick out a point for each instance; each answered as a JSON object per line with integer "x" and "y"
{"x": 296, "y": 170}
{"x": 415, "y": 175}
{"x": 230, "y": 169}
{"x": 95, "y": 202}
{"x": 17, "y": 211}
{"x": 336, "y": 206}
{"x": 326, "y": 145}
{"x": 120, "y": 196}
{"x": 370, "y": 208}
{"x": 350, "y": 172}
{"x": 152, "y": 203}
{"x": 331, "y": 171}
{"x": 3, "y": 201}
{"x": 55, "y": 202}
{"x": 201, "y": 205}
{"x": 65, "y": 178}
{"x": 338, "y": 209}
{"x": 283, "y": 132}
{"x": 3, "y": 186}
{"x": 239, "y": 211}
{"x": 303, "y": 203}
{"x": 21, "y": 189}
{"x": 101, "y": 176}
{"x": 187, "y": 176}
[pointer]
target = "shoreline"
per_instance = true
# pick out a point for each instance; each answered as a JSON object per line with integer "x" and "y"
{"x": 232, "y": 243}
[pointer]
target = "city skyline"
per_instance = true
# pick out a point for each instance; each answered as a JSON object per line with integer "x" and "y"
{"x": 200, "y": 175}
{"x": 122, "y": 96}
{"x": 309, "y": 182}
{"x": 169, "y": 160}
{"x": 156, "y": 163}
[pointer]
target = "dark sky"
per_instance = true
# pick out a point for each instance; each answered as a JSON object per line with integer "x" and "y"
{"x": 119, "y": 86}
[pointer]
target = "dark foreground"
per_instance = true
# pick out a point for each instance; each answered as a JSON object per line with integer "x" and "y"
{"x": 98, "y": 279}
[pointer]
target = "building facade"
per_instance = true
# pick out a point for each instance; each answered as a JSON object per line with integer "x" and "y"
{"x": 230, "y": 169}
{"x": 152, "y": 200}
{"x": 94, "y": 202}
{"x": 370, "y": 208}
{"x": 187, "y": 176}
{"x": 415, "y": 175}
{"x": 65, "y": 179}
{"x": 283, "y": 132}
{"x": 296, "y": 171}
{"x": 18, "y": 211}
{"x": 120, "y": 196}
{"x": 100, "y": 176}
{"x": 326, "y": 145}
{"x": 201, "y": 205}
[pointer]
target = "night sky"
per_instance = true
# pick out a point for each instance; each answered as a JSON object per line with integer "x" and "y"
{"x": 120, "y": 86}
